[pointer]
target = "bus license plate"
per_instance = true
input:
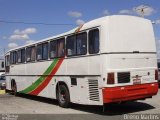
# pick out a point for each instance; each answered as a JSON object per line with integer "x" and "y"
{"x": 136, "y": 81}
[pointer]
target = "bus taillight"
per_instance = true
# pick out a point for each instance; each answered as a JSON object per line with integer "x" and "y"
{"x": 156, "y": 74}
{"x": 110, "y": 78}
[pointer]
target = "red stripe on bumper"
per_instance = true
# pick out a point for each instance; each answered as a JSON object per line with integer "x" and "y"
{"x": 126, "y": 93}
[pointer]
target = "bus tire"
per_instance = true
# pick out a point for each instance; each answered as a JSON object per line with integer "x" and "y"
{"x": 63, "y": 96}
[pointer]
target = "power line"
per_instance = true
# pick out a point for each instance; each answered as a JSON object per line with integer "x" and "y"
{"x": 36, "y": 23}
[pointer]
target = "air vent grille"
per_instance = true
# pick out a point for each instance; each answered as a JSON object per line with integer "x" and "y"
{"x": 93, "y": 90}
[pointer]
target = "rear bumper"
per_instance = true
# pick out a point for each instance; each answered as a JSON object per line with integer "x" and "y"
{"x": 127, "y": 93}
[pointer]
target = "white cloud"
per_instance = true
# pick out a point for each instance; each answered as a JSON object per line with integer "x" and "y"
{"x": 79, "y": 22}
{"x": 26, "y": 31}
{"x": 19, "y": 37}
{"x": 106, "y": 12}
{"x": 125, "y": 12}
{"x": 157, "y": 21}
{"x": 12, "y": 45}
{"x": 22, "y": 34}
{"x": 75, "y": 14}
{"x": 30, "y": 41}
{"x": 144, "y": 10}
{"x": 141, "y": 10}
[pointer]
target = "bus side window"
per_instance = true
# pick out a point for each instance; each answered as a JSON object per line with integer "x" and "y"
{"x": 81, "y": 43}
{"x": 23, "y": 55}
{"x": 158, "y": 64}
{"x": 39, "y": 52}
{"x": 7, "y": 63}
{"x": 13, "y": 58}
{"x": 61, "y": 48}
{"x": 45, "y": 51}
{"x": 53, "y": 49}
{"x": 19, "y": 56}
{"x": 93, "y": 41}
{"x": 33, "y": 53}
{"x": 71, "y": 45}
{"x": 28, "y": 54}
{"x": 2, "y": 64}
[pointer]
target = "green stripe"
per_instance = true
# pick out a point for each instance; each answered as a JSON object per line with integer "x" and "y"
{"x": 41, "y": 79}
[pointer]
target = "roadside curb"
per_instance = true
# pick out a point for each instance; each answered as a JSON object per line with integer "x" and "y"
{"x": 2, "y": 92}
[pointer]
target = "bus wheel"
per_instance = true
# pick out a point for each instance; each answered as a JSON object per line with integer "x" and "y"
{"x": 14, "y": 89}
{"x": 63, "y": 96}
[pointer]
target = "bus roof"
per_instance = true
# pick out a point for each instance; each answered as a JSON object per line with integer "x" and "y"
{"x": 91, "y": 24}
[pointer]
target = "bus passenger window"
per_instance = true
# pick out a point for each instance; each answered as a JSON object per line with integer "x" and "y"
{"x": 13, "y": 57}
{"x": 23, "y": 55}
{"x": 2, "y": 64}
{"x": 93, "y": 41}
{"x": 82, "y": 43}
{"x": 45, "y": 51}
{"x": 19, "y": 56}
{"x": 71, "y": 45}
{"x": 33, "y": 54}
{"x": 60, "y": 44}
{"x": 39, "y": 52}
{"x": 28, "y": 54}
{"x": 53, "y": 49}
{"x": 7, "y": 63}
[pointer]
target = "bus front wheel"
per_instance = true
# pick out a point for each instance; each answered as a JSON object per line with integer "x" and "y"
{"x": 63, "y": 96}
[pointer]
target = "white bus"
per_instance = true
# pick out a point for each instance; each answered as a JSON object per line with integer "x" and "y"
{"x": 107, "y": 60}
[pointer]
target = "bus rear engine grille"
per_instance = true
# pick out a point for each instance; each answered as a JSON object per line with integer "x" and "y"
{"x": 123, "y": 77}
{"x": 93, "y": 90}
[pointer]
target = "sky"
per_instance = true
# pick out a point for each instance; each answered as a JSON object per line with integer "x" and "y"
{"x": 26, "y": 21}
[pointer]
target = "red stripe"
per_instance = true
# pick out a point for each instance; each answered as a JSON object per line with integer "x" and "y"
{"x": 47, "y": 80}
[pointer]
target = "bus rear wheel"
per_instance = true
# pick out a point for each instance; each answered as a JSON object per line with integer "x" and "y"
{"x": 63, "y": 96}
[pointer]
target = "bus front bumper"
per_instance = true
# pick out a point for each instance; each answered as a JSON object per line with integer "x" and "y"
{"x": 128, "y": 93}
